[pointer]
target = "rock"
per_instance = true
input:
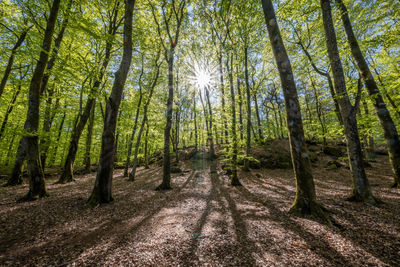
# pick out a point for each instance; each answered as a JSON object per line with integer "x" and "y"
{"x": 333, "y": 165}
{"x": 255, "y": 164}
{"x": 258, "y": 175}
{"x": 176, "y": 170}
{"x": 333, "y": 151}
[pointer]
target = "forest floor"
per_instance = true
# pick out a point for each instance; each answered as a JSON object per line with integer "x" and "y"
{"x": 202, "y": 221}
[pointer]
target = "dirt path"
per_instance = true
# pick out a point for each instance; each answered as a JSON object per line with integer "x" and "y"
{"x": 202, "y": 221}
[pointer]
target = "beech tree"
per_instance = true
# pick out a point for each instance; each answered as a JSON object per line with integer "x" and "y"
{"x": 102, "y": 192}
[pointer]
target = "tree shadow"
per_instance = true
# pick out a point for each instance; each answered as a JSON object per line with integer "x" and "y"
{"x": 319, "y": 246}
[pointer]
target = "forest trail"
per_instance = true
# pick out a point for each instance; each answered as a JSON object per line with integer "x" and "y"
{"x": 203, "y": 220}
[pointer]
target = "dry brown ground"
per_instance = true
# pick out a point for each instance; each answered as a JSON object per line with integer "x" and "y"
{"x": 202, "y": 221}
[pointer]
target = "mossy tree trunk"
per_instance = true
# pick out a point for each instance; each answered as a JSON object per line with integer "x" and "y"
{"x": 361, "y": 188}
{"x": 37, "y": 187}
{"x": 305, "y": 201}
{"x": 386, "y": 121}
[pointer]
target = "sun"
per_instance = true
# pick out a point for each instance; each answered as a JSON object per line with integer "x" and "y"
{"x": 203, "y": 78}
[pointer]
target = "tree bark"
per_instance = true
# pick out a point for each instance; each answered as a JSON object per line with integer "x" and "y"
{"x": 146, "y": 152}
{"x": 37, "y": 188}
{"x": 58, "y": 139}
{"x": 89, "y": 138}
{"x": 234, "y": 177}
{"x": 260, "y": 133}
{"x": 102, "y": 192}
{"x": 248, "y": 104}
{"x": 210, "y": 120}
{"x": 146, "y": 106}
{"x": 387, "y": 124}
{"x": 130, "y": 144}
{"x": 361, "y": 188}
{"x": 305, "y": 201}
{"x": 222, "y": 85}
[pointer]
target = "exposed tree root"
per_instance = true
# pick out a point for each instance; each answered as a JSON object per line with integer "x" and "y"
{"x": 303, "y": 207}
{"x": 371, "y": 200}
{"x": 163, "y": 187}
{"x": 33, "y": 196}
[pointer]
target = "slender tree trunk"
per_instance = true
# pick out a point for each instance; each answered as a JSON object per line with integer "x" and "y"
{"x": 48, "y": 117}
{"x": 234, "y": 177}
{"x": 210, "y": 136}
{"x": 37, "y": 188}
{"x": 388, "y": 126}
{"x": 16, "y": 174}
{"x": 10, "y": 62}
{"x": 222, "y": 85}
{"x": 260, "y": 133}
{"x": 130, "y": 144}
{"x": 58, "y": 139}
{"x": 102, "y": 192}
{"x": 67, "y": 174}
{"x": 248, "y": 104}
{"x": 10, "y": 109}
{"x": 361, "y": 188}
{"x": 89, "y": 138}
{"x": 319, "y": 111}
{"x": 146, "y": 106}
{"x": 166, "y": 183}
{"x": 195, "y": 124}
{"x": 8, "y": 157}
{"x": 240, "y": 105}
{"x": 146, "y": 140}
{"x": 305, "y": 201}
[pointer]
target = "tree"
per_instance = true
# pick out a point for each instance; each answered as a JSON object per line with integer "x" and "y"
{"x": 305, "y": 201}
{"x": 102, "y": 188}
{"x": 388, "y": 126}
{"x": 178, "y": 13}
{"x": 37, "y": 188}
{"x": 361, "y": 188}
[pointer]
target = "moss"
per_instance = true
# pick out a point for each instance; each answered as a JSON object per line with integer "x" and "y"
{"x": 371, "y": 200}
{"x": 302, "y": 207}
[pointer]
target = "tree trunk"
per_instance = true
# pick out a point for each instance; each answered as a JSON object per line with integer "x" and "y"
{"x": 146, "y": 140}
{"x": 210, "y": 119}
{"x": 37, "y": 188}
{"x": 48, "y": 117}
{"x": 102, "y": 188}
{"x": 166, "y": 182}
{"x": 16, "y": 174}
{"x": 319, "y": 111}
{"x": 222, "y": 85}
{"x": 58, "y": 139}
{"x": 10, "y": 109}
{"x": 130, "y": 144}
{"x": 305, "y": 201}
{"x": 89, "y": 135}
{"x": 10, "y": 62}
{"x": 234, "y": 177}
{"x": 240, "y": 105}
{"x": 195, "y": 124}
{"x": 260, "y": 133}
{"x": 67, "y": 174}
{"x": 146, "y": 106}
{"x": 388, "y": 126}
{"x": 248, "y": 103}
{"x": 361, "y": 188}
